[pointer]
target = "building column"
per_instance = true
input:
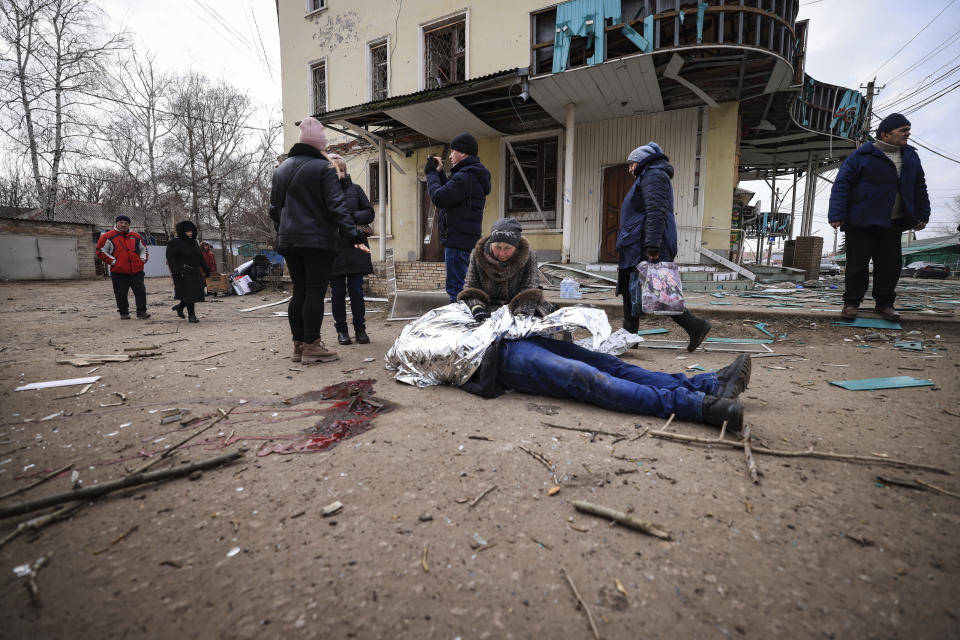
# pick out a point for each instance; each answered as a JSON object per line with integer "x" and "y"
{"x": 570, "y": 111}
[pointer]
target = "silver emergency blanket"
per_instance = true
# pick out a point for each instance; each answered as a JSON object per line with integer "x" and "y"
{"x": 445, "y": 345}
{"x": 615, "y": 344}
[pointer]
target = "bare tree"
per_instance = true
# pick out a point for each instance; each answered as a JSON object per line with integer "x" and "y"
{"x": 52, "y": 50}
{"x": 255, "y": 218}
{"x": 212, "y": 135}
{"x": 132, "y": 139}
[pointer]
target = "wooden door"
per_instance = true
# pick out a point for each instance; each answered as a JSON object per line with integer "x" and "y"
{"x": 616, "y": 183}
{"x": 430, "y": 249}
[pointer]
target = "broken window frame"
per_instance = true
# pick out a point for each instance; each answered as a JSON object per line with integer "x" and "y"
{"x": 514, "y": 188}
{"x": 376, "y": 92}
{"x": 313, "y": 86}
{"x": 457, "y": 65}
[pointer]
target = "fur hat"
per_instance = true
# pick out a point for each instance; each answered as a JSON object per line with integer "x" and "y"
{"x": 465, "y": 143}
{"x": 312, "y": 133}
{"x": 642, "y": 153}
{"x": 891, "y": 122}
{"x": 506, "y": 230}
{"x": 122, "y": 218}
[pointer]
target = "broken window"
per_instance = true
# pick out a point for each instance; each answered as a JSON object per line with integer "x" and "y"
{"x": 318, "y": 87}
{"x": 373, "y": 193}
{"x": 445, "y": 54}
{"x": 316, "y": 5}
{"x": 538, "y": 159}
{"x": 378, "y": 70}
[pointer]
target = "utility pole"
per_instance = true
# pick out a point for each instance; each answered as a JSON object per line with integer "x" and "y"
{"x": 871, "y": 91}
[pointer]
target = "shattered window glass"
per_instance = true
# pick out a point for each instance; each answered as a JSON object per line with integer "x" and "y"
{"x": 446, "y": 49}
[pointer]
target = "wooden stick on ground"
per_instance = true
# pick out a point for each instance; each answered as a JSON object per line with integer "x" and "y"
{"x": 39, "y": 482}
{"x": 166, "y": 453}
{"x": 423, "y": 560}
{"x": 41, "y": 521}
{"x": 552, "y": 468}
{"x": 748, "y": 454}
{"x": 937, "y": 489}
{"x": 642, "y": 433}
{"x": 809, "y": 453}
{"x": 622, "y": 518}
{"x": 582, "y": 430}
{"x": 480, "y": 497}
{"x": 32, "y": 585}
{"x": 581, "y": 603}
{"x": 669, "y": 420}
{"x": 115, "y": 541}
{"x": 130, "y": 480}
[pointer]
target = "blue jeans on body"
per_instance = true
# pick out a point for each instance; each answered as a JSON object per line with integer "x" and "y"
{"x": 339, "y": 287}
{"x": 310, "y": 273}
{"x": 543, "y": 366}
{"x": 457, "y": 261}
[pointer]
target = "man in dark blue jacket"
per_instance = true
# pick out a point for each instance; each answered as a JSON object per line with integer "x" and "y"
{"x": 460, "y": 199}
{"x": 879, "y": 193}
{"x": 648, "y": 231}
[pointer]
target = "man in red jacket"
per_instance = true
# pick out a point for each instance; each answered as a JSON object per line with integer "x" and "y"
{"x": 125, "y": 252}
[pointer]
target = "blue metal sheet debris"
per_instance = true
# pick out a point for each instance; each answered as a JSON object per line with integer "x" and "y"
{"x": 869, "y": 323}
{"x": 762, "y": 326}
{"x": 873, "y": 384}
{"x": 650, "y": 332}
{"x": 910, "y": 345}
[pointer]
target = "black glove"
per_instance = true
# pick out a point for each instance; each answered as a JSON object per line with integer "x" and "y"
{"x": 653, "y": 254}
{"x": 480, "y": 313}
{"x": 431, "y": 165}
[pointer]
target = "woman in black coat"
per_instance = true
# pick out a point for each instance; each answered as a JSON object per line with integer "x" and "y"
{"x": 187, "y": 267}
{"x": 351, "y": 264}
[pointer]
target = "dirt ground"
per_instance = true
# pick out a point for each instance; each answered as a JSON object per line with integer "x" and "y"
{"x": 818, "y": 548}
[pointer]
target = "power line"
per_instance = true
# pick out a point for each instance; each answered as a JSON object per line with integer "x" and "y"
{"x": 911, "y": 93}
{"x": 931, "y": 54}
{"x": 872, "y": 75}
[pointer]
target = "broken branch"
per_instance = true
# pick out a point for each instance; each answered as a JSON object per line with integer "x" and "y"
{"x": 809, "y": 453}
{"x": 166, "y": 454}
{"x": 581, "y": 603}
{"x": 582, "y": 430}
{"x": 480, "y": 497}
{"x": 130, "y": 480}
{"x": 622, "y": 518}
{"x": 50, "y": 475}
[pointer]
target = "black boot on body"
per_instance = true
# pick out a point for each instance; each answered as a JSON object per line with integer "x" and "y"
{"x": 734, "y": 377}
{"x": 716, "y": 411}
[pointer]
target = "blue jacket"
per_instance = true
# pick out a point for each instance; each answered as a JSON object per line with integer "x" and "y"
{"x": 460, "y": 199}
{"x": 646, "y": 215}
{"x": 866, "y": 188}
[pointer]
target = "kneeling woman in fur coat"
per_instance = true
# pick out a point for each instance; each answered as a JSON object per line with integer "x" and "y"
{"x": 188, "y": 269}
{"x": 503, "y": 270}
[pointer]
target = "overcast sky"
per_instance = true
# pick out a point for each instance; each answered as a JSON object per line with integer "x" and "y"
{"x": 849, "y": 42}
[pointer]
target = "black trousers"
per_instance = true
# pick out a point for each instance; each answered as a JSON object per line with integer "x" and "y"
{"x": 310, "y": 272}
{"x": 882, "y": 246}
{"x": 686, "y": 320}
{"x": 122, "y": 283}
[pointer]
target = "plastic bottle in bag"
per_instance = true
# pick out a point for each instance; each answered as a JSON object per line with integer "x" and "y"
{"x": 570, "y": 288}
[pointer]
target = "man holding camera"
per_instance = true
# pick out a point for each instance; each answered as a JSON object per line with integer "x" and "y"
{"x": 460, "y": 199}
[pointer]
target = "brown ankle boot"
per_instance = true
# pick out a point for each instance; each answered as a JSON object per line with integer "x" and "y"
{"x": 297, "y": 351}
{"x": 316, "y": 352}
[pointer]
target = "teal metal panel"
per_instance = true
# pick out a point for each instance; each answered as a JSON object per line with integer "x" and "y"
{"x": 872, "y": 384}
{"x": 650, "y": 332}
{"x": 741, "y": 340}
{"x": 869, "y": 323}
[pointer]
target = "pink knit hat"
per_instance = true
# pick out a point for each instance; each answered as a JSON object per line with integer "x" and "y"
{"x": 312, "y": 133}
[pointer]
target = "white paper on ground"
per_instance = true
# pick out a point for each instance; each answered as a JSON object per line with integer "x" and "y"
{"x": 58, "y": 383}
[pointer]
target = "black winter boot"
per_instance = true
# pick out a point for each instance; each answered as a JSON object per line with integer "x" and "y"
{"x": 343, "y": 337}
{"x": 179, "y": 309}
{"x": 734, "y": 377}
{"x": 716, "y": 411}
{"x": 362, "y": 337}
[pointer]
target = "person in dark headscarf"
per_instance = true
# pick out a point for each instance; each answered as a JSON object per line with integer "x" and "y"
{"x": 188, "y": 269}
